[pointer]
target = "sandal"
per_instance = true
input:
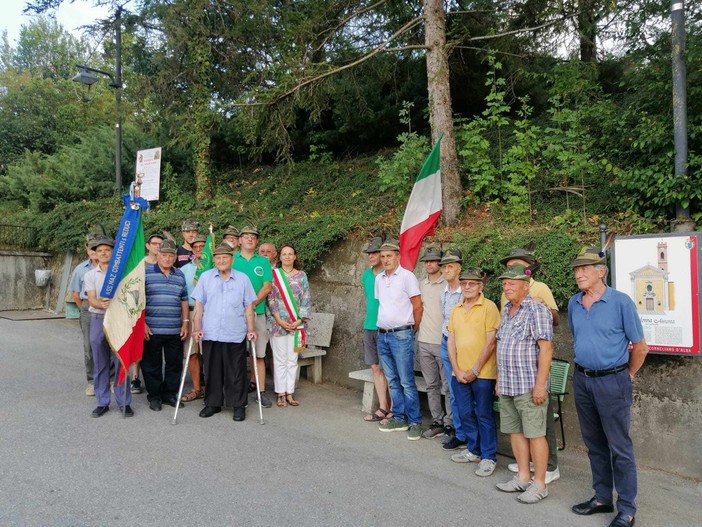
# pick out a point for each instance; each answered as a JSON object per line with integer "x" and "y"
{"x": 374, "y": 417}
{"x": 281, "y": 401}
{"x": 194, "y": 394}
{"x": 291, "y": 401}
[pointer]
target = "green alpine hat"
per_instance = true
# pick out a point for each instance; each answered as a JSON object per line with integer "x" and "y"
{"x": 390, "y": 245}
{"x": 516, "y": 272}
{"x": 452, "y": 256}
{"x": 103, "y": 240}
{"x": 374, "y": 245}
{"x": 224, "y": 248}
{"x": 432, "y": 254}
{"x": 589, "y": 256}
{"x": 472, "y": 273}
{"x": 190, "y": 225}
{"x": 168, "y": 246}
{"x": 249, "y": 230}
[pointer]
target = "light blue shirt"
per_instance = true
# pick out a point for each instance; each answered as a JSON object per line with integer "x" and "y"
{"x": 189, "y": 271}
{"x": 224, "y": 303}
{"x": 77, "y": 280}
{"x": 602, "y": 334}
{"x": 448, "y": 300}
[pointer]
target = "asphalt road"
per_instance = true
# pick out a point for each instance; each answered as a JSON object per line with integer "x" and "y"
{"x": 318, "y": 464}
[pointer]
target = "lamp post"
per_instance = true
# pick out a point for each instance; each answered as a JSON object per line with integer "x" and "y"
{"x": 86, "y": 79}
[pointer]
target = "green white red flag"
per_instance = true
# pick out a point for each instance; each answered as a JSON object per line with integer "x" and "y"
{"x": 124, "y": 318}
{"x": 423, "y": 209}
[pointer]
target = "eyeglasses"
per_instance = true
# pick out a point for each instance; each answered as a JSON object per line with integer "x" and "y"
{"x": 469, "y": 284}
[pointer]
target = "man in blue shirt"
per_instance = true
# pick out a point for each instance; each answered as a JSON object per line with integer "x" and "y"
{"x": 223, "y": 320}
{"x": 603, "y": 322}
{"x": 166, "y": 327}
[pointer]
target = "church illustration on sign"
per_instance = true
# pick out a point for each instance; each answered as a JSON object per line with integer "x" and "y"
{"x": 653, "y": 293}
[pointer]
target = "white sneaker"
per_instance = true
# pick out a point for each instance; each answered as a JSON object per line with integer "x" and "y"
{"x": 513, "y": 467}
{"x": 90, "y": 390}
{"x": 486, "y": 468}
{"x": 552, "y": 475}
{"x": 533, "y": 494}
{"x": 464, "y": 457}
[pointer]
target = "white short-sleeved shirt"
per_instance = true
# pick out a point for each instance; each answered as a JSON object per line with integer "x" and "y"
{"x": 393, "y": 293}
{"x": 93, "y": 281}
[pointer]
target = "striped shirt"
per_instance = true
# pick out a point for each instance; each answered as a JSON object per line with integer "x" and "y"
{"x": 518, "y": 348}
{"x": 164, "y": 297}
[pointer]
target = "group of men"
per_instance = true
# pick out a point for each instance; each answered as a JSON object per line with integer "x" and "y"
{"x": 470, "y": 351}
{"x": 209, "y": 317}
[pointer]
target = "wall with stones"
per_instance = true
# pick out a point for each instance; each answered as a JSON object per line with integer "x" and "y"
{"x": 17, "y": 285}
{"x": 667, "y": 410}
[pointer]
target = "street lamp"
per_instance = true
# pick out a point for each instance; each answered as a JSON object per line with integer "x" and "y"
{"x": 86, "y": 78}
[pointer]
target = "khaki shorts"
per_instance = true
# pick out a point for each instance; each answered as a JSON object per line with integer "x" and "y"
{"x": 262, "y": 336}
{"x": 520, "y": 414}
{"x": 197, "y": 348}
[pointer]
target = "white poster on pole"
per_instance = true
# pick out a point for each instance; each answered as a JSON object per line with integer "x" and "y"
{"x": 148, "y": 173}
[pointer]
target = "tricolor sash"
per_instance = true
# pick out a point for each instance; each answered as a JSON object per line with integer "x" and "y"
{"x": 281, "y": 282}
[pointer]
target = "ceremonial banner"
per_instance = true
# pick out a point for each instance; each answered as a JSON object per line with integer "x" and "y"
{"x": 148, "y": 173}
{"x": 124, "y": 318}
{"x": 423, "y": 209}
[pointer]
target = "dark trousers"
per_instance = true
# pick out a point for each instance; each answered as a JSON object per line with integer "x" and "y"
{"x": 226, "y": 383}
{"x": 159, "y": 384}
{"x": 604, "y": 412}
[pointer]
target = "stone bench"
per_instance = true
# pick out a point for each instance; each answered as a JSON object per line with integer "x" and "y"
{"x": 319, "y": 333}
{"x": 370, "y": 398}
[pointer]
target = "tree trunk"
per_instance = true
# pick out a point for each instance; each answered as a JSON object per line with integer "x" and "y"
{"x": 587, "y": 30}
{"x": 440, "y": 109}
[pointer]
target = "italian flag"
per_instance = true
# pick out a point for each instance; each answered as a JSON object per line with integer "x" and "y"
{"x": 423, "y": 209}
{"x": 124, "y": 318}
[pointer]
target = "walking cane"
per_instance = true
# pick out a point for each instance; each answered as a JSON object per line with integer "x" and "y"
{"x": 258, "y": 388}
{"x": 182, "y": 381}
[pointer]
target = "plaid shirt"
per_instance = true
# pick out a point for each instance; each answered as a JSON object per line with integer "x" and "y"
{"x": 517, "y": 346}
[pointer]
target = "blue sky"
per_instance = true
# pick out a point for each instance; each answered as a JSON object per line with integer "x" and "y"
{"x": 71, "y": 15}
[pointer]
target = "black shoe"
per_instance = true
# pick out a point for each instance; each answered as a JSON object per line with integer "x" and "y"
{"x": 449, "y": 433}
{"x": 137, "y": 387}
{"x": 591, "y": 507}
{"x": 100, "y": 411}
{"x": 209, "y": 411}
{"x": 239, "y": 413}
{"x": 453, "y": 444}
{"x": 172, "y": 402}
{"x": 252, "y": 387}
{"x": 623, "y": 520}
{"x": 128, "y": 412}
{"x": 155, "y": 405}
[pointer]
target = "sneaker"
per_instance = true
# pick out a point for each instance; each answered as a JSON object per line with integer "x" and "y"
{"x": 464, "y": 457}
{"x": 137, "y": 387}
{"x": 90, "y": 390}
{"x": 486, "y": 468}
{"x": 393, "y": 425}
{"x": 252, "y": 387}
{"x": 513, "y": 467}
{"x": 265, "y": 400}
{"x": 532, "y": 494}
{"x": 449, "y": 433}
{"x": 513, "y": 485}
{"x": 414, "y": 432}
{"x": 453, "y": 444}
{"x": 552, "y": 475}
{"x": 435, "y": 430}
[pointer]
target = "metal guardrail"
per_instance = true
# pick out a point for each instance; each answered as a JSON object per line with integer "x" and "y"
{"x": 17, "y": 237}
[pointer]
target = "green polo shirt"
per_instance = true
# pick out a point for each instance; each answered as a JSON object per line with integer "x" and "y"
{"x": 258, "y": 269}
{"x": 372, "y": 304}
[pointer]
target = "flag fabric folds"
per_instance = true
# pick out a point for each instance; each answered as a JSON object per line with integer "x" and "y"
{"x": 125, "y": 285}
{"x": 206, "y": 259}
{"x": 423, "y": 209}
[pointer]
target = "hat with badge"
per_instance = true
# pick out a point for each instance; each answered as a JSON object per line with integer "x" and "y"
{"x": 390, "y": 245}
{"x": 452, "y": 256}
{"x": 190, "y": 225}
{"x": 199, "y": 239}
{"x": 248, "y": 230}
{"x": 374, "y": 245}
{"x": 432, "y": 254}
{"x": 516, "y": 272}
{"x": 168, "y": 246}
{"x": 522, "y": 254}
{"x": 590, "y": 255}
{"x": 224, "y": 248}
{"x": 100, "y": 240}
{"x": 472, "y": 273}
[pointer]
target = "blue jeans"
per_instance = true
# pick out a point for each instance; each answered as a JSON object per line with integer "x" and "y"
{"x": 396, "y": 352}
{"x": 604, "y": 412}
{"x": 474, "y": 402}
{"x": 448, "y": 371}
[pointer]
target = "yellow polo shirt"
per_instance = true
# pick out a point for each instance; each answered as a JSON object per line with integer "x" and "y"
{"x": 537, "y": 290}
{"x": 469, "y": 328}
